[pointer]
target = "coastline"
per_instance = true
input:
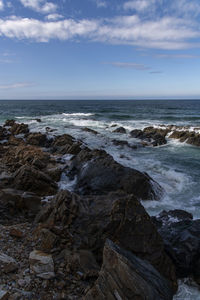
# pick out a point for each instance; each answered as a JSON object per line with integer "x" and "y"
{"x": 37, "y": 214}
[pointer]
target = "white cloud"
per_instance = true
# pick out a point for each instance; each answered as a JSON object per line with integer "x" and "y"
{"x": 40, "y": 6}
{"x": 135, "y": 66}
{"x": 164, "y": 33}
{"x": 101, "y": 3}
{"x": 15, "y": 85}
{"x": 53, "y": 17}
{"x": 139, "y": 5}
{"x": 1, "y": 5}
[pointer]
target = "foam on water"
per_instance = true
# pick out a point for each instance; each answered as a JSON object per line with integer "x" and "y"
{"x": 187, "y": 290}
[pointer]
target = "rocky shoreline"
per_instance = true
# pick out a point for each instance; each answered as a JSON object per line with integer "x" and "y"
{"x": 96, "y": 242}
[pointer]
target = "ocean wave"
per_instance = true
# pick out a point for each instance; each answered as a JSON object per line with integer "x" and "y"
{"x": 78, "y": 114}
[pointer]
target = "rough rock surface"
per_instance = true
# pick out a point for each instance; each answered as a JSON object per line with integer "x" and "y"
{"x": 181, "y": 236}
{"x": 124, "y": 276}
{"x": 85, "y": 223}
{"x": 7, "y": 263}
{"x": 41, "y": 264}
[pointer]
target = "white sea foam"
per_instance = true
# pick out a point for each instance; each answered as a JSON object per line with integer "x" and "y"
{"x": 187, "y": 291}
{"x": 66, "y": 184}
{"x": 78, "y": 114}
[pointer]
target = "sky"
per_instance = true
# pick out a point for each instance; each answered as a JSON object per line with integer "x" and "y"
{"x": 99, "y": 49}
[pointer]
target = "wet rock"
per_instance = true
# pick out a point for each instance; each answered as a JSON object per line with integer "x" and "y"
{"x": 181, "y": 236}
{"x": 120, "y": 130}
{"x": 38, "y": 120}
{"x": 124, "y": 276}
{"x": 90, "y": 130}
{"x": 28, "y": 178}
{"x": 154, "y": 136}
{"x": 98, "y": 173}
{"x": 7, "y": 264}
{"x": 3, "y": 133}
{"x": 41, "y": 264}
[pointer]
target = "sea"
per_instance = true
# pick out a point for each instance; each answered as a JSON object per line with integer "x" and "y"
{"x": 175, "y": 166}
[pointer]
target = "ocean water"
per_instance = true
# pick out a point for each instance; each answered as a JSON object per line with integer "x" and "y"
{"x": 175, "y": 165}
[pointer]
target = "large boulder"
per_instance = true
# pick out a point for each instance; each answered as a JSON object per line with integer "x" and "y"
{"x": 181, "y": 236}
{"x": 124, "y": 276}
{"x": 86, "y": 222}
{"x": 29, "y": 179}
{"x": 98, "y": 173}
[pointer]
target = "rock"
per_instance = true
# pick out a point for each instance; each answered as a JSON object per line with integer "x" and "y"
{"x": 120, "y": 143}
{"x": 29, "y": 179}
{"x": 46, "y": 238}
{"x": 97, "y": 173}
{"x": 90, "y": 130}
{"x": 18, "y": 200}
{"x": 81, "y": 262}
{"x": 9, "y": 123}
{"x": 38, "y": 120}
{"x": 16, "y": 157}
{"x": 124, "y": 276}
{"x": 86, "y": 222}
{"x": 7, "y": 264}
{"x": 181, "y": 236}
{"x": 37, "y": 139}
{"x": 154, "y": 136}
{"x": 120, "y": 130}
{"x": 4, "y": 295}
{"x": 15, "y": 232}
{"x": 65, "y": 144}
{"x": 17, "y": 128}
{"x": 41, "y": 264}
{"x": 3, "y": 133}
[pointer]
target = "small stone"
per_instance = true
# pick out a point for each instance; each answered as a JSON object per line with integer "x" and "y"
{"x": 7, "y": 263}
{"x": 41, "y": 264}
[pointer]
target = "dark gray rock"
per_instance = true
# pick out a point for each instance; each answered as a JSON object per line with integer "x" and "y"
{"x": 124, "y": 276}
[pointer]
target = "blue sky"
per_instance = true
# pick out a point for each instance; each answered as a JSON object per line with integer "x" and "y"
{"x": 99, "y": 49}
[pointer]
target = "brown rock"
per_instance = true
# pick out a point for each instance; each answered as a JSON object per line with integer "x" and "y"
{"x": 16, "y": 232}
{"x": 27, "y": 178}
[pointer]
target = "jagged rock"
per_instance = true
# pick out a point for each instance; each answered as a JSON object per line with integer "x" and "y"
{"x": 46, "y": 238}
{"x": 124, "y": 276}
{"x": 90, "y": 130}
{"x": 154, "y": 136}
{"x": 19, "y": 128}
{"x": 21, "y": 155}
{"x": 120, "y": 130}
{"x": 9, "y": 123}
{"x": 3, "y": 133}
{"x": 28, "y": 178}
{"x": 181, "y": 236}
{"x": 7, "y": 264}
{"x": 86, "y": 222}
{"x": 37, "y": 139}
{"x": 97, "y": 173}
{"x": 17, "y": 200}
{"x": 41, "y": 264}
{"x": 66, "y": 144}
